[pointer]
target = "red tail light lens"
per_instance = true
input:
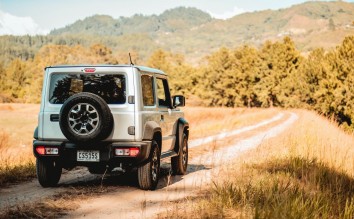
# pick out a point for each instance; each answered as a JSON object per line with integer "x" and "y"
{"x": 40, "y": 150}
{"x": 134, "y": 152}
{"x": 43, "y": 150}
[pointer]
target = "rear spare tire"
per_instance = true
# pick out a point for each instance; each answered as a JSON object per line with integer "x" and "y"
{"x": 85, "y": 118}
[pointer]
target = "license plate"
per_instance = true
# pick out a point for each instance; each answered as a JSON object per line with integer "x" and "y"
{"x": 88, "y": 156}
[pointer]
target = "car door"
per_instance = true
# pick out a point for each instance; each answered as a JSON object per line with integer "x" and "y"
{"x": 166, "y": 117}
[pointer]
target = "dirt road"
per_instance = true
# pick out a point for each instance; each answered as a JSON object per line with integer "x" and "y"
{"x": 127, "y": 201}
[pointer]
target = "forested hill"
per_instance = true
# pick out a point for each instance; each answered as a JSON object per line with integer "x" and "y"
{"x": 187, "y": 30}
{"x": 178, "y": 19}
{"x": 195, "y": 33}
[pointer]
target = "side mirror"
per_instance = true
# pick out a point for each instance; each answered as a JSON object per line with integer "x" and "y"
{"x": 179, "y": 100}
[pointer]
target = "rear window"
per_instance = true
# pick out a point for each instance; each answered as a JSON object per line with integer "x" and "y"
{"x": 111, "y": 87}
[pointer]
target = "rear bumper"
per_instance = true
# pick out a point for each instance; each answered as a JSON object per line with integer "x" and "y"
{"x": 67, "y": 153}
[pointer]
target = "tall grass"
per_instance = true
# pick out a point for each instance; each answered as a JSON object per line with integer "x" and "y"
{"x": 206, "y": 121}
{"x": 15, "y": 173}
{"x": 4, "y": 139}
{"x": 13, "y": 169}
{"x": 289, "y": 188}
{"x": 307, "y": 172}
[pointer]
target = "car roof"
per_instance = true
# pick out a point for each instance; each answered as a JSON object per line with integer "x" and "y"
{"x": 140, "y": 68}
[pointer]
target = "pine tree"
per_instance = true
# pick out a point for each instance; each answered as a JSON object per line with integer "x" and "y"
{"x": 219, "y": 80}
{"x": 278, "y": 70}
{"x": 247, "y": 62}
{"x": 16, "y": 79}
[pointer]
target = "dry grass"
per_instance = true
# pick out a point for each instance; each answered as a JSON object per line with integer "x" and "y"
{"x": 10, "y": 174}
{"x": 306, "y": 172}
{"x": 4, "y": 140}
{"x": 314, "y": 137}
{"x": 13, "y": 169}
{"x": 17, "y": 122}
{"x": 208, "y": 121}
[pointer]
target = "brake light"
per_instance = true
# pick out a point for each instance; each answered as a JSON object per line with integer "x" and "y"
{"x": 134, "y": 152}
{"x": 131, "y": 152}
{"x": 42, "y": 150}
{"x": 89, "y": 70}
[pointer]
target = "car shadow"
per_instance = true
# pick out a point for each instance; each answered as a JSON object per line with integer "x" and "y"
{"x": 129, "y": 179}
{"x": 167, "y": 179}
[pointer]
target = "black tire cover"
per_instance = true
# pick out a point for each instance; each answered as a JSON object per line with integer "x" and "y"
{"x": 102, "y": 129}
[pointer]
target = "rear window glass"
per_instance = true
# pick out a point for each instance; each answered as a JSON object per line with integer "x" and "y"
{"x": 147, "y": 90}
{"x": 111, "y": 87}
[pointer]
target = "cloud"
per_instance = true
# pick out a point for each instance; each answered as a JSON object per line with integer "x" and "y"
{"x": 13, "y": 25}
{"x": 228, "y": 14}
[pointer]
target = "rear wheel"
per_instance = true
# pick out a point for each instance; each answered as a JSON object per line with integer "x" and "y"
{"x": 179, "y": 164}
{"x": 48, "y": 172}
{"x": 148, "y": 174}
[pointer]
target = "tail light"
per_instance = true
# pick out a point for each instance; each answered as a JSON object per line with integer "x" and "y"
{"x": 43, "y": 150}
{"x": 124, "y": 152}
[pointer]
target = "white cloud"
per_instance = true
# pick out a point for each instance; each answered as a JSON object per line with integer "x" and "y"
{"x": 13, "y": 25}
{"x": 228, "y": 14}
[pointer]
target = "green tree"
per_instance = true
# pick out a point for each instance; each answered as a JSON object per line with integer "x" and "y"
{"x": 311, "y": 72}
{"x": 219, "y": 80}
{"x": 159, "y": 60}
{"x": 343, "y": 65}
{"x": 16, "y": 79}
{"x": 182, "y": 77}
{"x": 278, "y": 70}
{"x": 247, "y": 63}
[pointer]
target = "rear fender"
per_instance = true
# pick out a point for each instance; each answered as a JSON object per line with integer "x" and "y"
{"x": 150, "y": 129}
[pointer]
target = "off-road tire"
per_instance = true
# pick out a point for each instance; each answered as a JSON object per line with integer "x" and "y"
{"x": 102, "y": 127}
{"x": 48, "y": 173}
{"x": 179, "y": 163}
{"x": 148, "y": 174}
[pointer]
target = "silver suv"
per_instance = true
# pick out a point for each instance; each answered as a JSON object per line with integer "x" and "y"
{"x": 107, "y": 118}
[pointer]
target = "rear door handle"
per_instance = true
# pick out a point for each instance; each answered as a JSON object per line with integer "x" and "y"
{"x": 54, "y": 117}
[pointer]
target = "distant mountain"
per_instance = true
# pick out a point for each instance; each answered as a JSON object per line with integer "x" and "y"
{"x": 186, "y": 30}
{"x": 171, "y": 20}
{"x": 195, "y": 33}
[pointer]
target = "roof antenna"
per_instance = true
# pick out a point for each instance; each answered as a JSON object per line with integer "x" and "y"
{"x": 130, "y": 58}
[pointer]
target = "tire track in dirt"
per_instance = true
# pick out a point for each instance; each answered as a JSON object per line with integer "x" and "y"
{"x": 32, "y": 191}
{"x": 201, "y": 141}
{"x": 135, "y": 203}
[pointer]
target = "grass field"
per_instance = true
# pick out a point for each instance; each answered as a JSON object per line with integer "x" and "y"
{"x": 307, "y": 172}
{"x": 17, "y": 123}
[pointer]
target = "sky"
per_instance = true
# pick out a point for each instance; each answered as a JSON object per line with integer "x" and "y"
{"x": 21, "y": 17}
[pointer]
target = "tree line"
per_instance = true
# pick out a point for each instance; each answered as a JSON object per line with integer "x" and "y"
{"x": 275, "y": 74}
